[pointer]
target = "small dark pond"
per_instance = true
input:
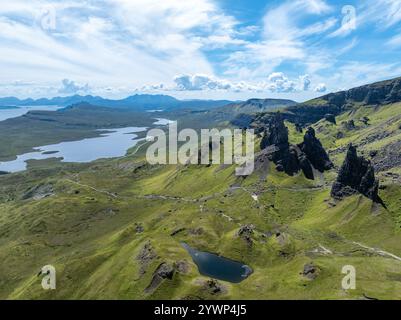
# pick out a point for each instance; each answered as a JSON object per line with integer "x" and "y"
{"x": 218, "y": 267}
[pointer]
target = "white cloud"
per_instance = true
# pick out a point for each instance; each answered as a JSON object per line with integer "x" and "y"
{"x": 395, "y": 41}
{"x": 279, "y": 83}
{"x": 383, "y": 13}
{"x": 200, "y": 82}
{"x": 276, "y": 82}
{"x": 321, "y": 87}
{"x": 116, "y": 43}
{"x": 70, "y": 87}
{"x": 283, "y": 39}
{"x": 355, "y": 73}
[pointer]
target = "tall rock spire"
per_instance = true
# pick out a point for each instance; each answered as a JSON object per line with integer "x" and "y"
{"x": 356, "y": 176}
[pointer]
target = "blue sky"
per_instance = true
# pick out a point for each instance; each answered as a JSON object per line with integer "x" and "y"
{"x": 214, "y": 49}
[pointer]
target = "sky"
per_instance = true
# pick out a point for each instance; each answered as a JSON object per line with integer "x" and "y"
{"x": 196, "y": 49}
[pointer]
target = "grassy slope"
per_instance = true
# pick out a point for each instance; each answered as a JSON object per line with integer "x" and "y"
{"x": 90, "y": 236}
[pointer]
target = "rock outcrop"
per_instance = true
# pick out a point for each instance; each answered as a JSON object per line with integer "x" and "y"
{"x": 315, "y": 152}
{"x": 276, "y": 133}
{"x": 293, "y": 158}
{"x": 284, "y": 156}
{"x": 356, "y": 176}
{"x": 39, "y": 192}
{"x": 146, "y": 257}
{"x": 163, "y": 272}
{"x": 214, "y": 287}
{"x": 246, "y": 232}
{"x": 310, "y": 271}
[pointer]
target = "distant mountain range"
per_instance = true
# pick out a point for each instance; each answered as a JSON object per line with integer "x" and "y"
{"x": 138, "y": 101}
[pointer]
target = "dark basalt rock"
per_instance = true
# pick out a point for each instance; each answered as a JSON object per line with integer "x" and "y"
{"x": 214, "y": 287}
{"x": 139, "y": 228}
{"x": 298, "y": 128}
{"x": 246, "y": 232}
{"x": 145, "y": 257}
{"x": 340, "y": 135}
{"x": 165, "y": 271}
{"x": 365, "y": 120}
{"x": 349, "y": 125}
{"x": 315, "y": 152}
{"x": 291, "y": 158}
{"x": 277, "y": 133}
{"x": 306, "y": 167}
{"x": 310, "y": 271}
{"x": 330, "y": 118}
{"x": 356, "y": 176}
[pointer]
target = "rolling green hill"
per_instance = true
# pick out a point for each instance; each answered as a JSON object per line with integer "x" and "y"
{"x": 109, "y": 225}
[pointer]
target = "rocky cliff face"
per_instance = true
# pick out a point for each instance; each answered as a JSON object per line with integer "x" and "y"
{"x": 276, "y": 134}
{"x": 315, "y": 152}
{"x": 333, "y": 104}
{"x": 293, "y": 158}
{"x": 356, "y": 176}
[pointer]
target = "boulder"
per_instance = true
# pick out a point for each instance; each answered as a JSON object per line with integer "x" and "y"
{"x": 310, "y": 271}
{"x": 214, "y": 287}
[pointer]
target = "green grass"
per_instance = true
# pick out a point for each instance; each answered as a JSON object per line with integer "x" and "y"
{"x": 90, "y": 236}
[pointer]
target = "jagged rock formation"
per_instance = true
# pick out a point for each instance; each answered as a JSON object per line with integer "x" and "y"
{"x": 276, "y": 133}
{"x": 315, "y": 152}
{"x": 284, "y": 156}
{"x": 293, "y": 158}
{"x": 356, "y": 176}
